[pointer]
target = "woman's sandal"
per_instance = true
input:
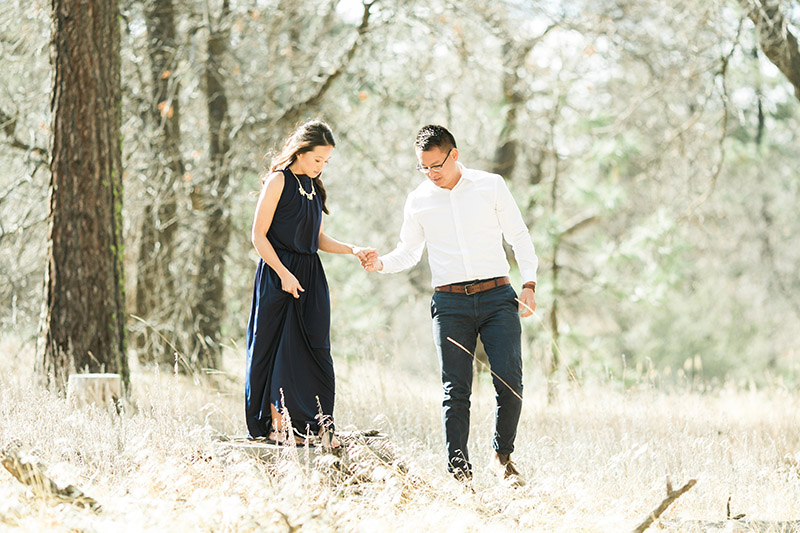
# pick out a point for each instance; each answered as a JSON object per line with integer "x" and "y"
{"x": 303, "y": 441}
{"x": 278, "y": 438}
{"x": 328, "y": 439}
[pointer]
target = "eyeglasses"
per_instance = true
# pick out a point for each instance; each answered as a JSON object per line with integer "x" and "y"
{"x": 434, "y": 168}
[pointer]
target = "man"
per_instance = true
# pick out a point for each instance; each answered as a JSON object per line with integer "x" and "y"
{"x": 462, "y": 215}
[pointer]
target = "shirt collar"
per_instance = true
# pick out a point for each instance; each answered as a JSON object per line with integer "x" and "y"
{"x": 467, "y": 174}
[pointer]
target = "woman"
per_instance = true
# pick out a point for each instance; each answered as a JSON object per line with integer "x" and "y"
{"x": 289, "y": 366}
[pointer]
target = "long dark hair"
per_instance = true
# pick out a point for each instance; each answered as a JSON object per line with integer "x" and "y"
{"x": 304, "y": 139}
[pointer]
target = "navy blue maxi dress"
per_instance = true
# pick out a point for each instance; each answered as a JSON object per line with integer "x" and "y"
{"x": 288, "y": 340}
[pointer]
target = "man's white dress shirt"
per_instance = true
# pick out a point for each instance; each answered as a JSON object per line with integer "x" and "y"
{"x": 464, "y": 229}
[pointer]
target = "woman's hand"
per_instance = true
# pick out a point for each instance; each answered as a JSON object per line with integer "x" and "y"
{"x": 369, "y": 259}
{"x": 290, "y": 284}
{"x": 363, "y": 254}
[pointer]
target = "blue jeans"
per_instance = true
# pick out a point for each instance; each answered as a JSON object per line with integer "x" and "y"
{"x": 493, "y": 315}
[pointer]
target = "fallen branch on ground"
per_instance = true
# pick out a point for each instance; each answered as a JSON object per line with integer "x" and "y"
{"x": 672, "y": 495}
{"x": 29, "y": 473}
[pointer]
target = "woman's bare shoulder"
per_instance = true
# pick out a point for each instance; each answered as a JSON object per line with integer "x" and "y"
{"x": 273, "y": 179}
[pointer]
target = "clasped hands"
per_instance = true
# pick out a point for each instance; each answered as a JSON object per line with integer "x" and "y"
{"x": 372, "y": 263}
{"x": 369, "y": 258}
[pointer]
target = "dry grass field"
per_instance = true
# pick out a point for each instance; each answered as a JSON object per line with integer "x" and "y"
{"x": 596, "y": 459}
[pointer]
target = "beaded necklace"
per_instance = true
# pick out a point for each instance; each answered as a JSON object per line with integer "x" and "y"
{"x": 308, "y": 195}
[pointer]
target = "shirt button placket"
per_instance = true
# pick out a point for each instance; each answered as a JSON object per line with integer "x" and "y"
{"x": 462, "y": 242}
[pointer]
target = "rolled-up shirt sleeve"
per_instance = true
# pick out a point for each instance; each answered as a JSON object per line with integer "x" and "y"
{"x": 412, "y": 241}
{"x": 516, "y": 232}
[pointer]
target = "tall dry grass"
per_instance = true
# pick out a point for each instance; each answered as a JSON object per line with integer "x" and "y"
{"x": 595, "y": 460}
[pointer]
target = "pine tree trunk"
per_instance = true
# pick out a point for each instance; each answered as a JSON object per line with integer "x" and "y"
{"x": 208, "y": 302}
{"x": 505, "y": 155}
{"x": 84, "y": 325}
{"x": 155, "y": 284}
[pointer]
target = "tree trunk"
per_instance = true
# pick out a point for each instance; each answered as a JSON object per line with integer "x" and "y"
{"x": 505, "y": 156}
{"x": 84, "y": 324}
{"x": 516, "y": 92}
{"x": 555, "y": 362}
{"x": 776, "y": 40}
{"x": 155, "y": 284}
{"x": 208, "y": 302}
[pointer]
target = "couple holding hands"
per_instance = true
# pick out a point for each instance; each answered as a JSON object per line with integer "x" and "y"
{"x": 462, "y": 215}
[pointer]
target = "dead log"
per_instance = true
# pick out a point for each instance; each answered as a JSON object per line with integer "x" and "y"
{"x": 271, "y": 453}
{"x": 731, "y": 526}
{"x": 27, "y": 470}
{"x": 364, "y": 457}
{"x": 672, "y": 495}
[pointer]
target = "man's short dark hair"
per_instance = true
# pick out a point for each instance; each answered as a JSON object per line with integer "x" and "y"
{"x": 432, "y": 136}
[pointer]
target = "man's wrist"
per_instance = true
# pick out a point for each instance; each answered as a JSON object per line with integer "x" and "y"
{"x": 529, "y": 285}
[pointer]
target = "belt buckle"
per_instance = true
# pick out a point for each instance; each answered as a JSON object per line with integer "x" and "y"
{"x": 467, "y": 287}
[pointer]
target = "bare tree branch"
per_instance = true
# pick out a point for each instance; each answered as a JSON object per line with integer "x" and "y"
{"x": 776, "y": 41}
{"x": 672, "y": 495}
{"x": 717, "y": 169}
{"x": 27, "y": 178}
{"x": 28, "y": 472}
{"x": 572, "y": 227}
{"x": 293, "y": 112}
{"x": 20, "y": 229}
{"x": 9, "y": 126}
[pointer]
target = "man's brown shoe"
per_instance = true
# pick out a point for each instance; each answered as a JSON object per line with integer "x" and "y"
{"x": 504, "y": 467}
{"x": 464, "y": 476}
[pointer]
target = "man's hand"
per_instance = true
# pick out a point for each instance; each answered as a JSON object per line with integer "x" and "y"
{"x": 362, "y": 253}
{"x": 371, "y": 262}
{"x": 527, "y": 302}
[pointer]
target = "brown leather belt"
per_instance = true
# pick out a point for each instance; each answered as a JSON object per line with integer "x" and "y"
{"x": 472, "y": 288}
